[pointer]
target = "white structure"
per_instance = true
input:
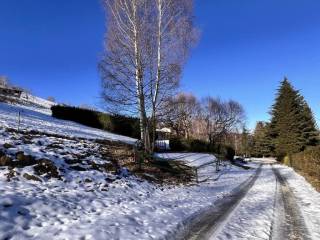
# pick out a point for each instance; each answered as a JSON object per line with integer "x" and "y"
{"x": 162, "y": 138}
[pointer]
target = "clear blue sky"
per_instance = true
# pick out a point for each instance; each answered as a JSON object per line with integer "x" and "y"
{"x": 246, "y": 48}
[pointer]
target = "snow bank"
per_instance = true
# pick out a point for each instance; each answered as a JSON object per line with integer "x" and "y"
{"x": 37, "y": 120}
{"x": 307, "y": 198}
{"x": 190, "y": 159}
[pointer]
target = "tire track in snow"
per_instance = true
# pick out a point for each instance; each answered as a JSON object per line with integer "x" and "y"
{"x": 203, "y": 227}
{"x": 289, "y": 223}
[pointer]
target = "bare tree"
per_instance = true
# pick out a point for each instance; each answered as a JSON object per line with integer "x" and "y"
{"x": 221, "y": 117}
{"x": 4, "y": 81}
{"x": 175, "y": 34}
{"x": 146, "y": 46}
{"x": 51, "y": 99}
{"x": 183, "y": 110}
{"x": 123, "y": 65}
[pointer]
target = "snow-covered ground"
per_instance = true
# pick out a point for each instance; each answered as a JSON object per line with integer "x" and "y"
{"x": 128, "y": 209}
{"x": 191, "y": 159}
{"x": 87, "y": 203}
{"x": 37, "y": 101}
{"x": 308, "y": 199}
{"x": 33, "y": 118}
{"x": 253, "y": 217}
{"x": 204, "y": 163}
{"x": 256, "y": 214}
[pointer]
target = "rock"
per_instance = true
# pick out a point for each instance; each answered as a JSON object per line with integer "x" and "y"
{"x": 5, "y": 161}
{"x": 7, "y": 145}
{"x": 23, "y": 212}
{"x": 110, "y": 180}
{"x": 31, "y": 177}
{"x": 110, "y": 167}
{"x": 24, "y": 160}
{"x": 88, "y": 180}
{"x": 78, "y": 168}
{"x": 10, "y": 175}
{"x": 6, "y": 202}
{"x": 47, "y": 167}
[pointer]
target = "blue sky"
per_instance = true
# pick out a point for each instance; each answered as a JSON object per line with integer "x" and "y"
{"x": 245, "y": 50}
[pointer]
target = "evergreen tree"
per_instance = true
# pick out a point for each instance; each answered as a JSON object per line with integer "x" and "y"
{"x": 245, "y": 148}
{"x": 292, "y": 126}
{"x": 310, "y": 133}
{"x": 262, "y": 144}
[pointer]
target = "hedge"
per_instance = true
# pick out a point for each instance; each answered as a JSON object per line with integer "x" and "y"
{"x": 123, "y": 125}
{"x": 308, "y": 163}
{"x": 195, "y": 145}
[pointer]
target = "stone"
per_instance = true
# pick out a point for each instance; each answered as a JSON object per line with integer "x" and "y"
{"x": 5, "y": 161}
{"x": 31, "y": 177}
{"x": 7, "y": 145}
{"x": 24, "y": 160}
{"x": 47, "y": 167}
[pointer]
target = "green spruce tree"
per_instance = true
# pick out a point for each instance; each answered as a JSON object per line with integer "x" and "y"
{"x": 292, "y": 126}
{"x": 262, "y": 144}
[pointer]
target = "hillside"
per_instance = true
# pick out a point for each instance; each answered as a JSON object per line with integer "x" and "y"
{"x": 59, "y": 180}
{"x": 56, "y": 181}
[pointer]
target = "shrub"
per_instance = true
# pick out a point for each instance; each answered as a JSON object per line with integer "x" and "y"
{"x": 308, "y": 163}
{"x": 198, "y": 146}
{"x": 228, "y": 152}
{"x": 127, "y": 126}
{"x": 195, "y": 145}
{"x": 177, "y": 144}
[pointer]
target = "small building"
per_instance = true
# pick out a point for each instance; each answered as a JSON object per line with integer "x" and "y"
{"x": 163, "y": 139}
{"x": 10, "y": 91}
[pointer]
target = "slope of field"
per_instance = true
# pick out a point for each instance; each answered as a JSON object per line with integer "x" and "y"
{"x": 33, "y": 118}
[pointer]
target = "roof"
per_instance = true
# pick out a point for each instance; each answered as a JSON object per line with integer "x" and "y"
{"x": 164, "y": 130}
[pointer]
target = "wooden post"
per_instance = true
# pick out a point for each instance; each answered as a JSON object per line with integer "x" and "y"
{"x": 19, "y": 121}
{"x": 197, "y": 175}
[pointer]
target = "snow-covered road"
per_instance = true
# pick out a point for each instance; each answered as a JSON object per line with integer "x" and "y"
{"x": 272, "y": 208}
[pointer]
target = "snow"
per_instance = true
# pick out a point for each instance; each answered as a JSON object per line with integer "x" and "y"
{"x": 190, "y": 159}
{"x": 130, "y": 209}
{"x": 203, "y": 163}
{"x": 105, "y": 207}
{"x": 33, "y": 118}
{"x": 37, "y": 101}
{"x": 253, "y": 217}
{"x": 307, "y": 198}
{"x": 94, "y": 204}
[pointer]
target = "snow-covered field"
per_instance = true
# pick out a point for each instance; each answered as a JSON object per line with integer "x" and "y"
{"x": 34, "y": 119}
{"x": 89, "y": 204}
{"x": 128, "y": 209}
{"x": 85, "y": 202}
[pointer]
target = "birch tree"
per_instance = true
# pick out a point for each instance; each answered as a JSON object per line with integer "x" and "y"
{"x": 147, "y": 43}
{"x": 123, "y": 65}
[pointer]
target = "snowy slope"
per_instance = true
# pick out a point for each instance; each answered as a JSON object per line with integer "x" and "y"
{"x": 94, "y": 204}
{"x": 37, "y": 101}
{"x": 203, "y": 162}
{"x": 34, "y": 119}
{"x": 190, "y": 159}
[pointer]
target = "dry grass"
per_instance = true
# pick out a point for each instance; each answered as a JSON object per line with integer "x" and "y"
{"x": 307, "y": 163}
